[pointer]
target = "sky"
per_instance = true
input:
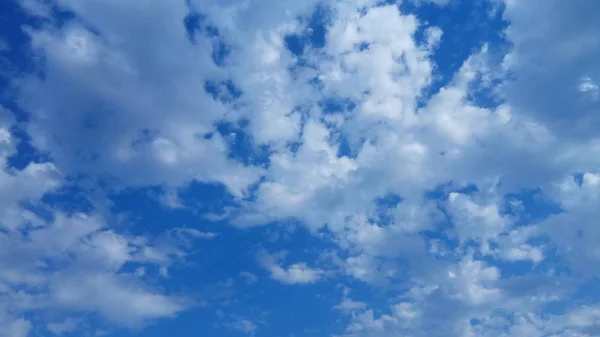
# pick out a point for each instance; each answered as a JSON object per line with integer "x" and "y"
{"x": 309, "y": 168}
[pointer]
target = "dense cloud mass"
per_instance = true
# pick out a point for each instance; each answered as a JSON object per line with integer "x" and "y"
{"x": 350, "y": 168}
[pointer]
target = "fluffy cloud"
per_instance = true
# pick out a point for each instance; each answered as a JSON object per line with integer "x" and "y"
{"x": 350, "y": 305}
{"x": 70, "y": 262}
{"x": 249, "y": 277}
{"x": 297, "y": 273}
{"x": 140, "y": 137}
{"x": 244, "y": 325}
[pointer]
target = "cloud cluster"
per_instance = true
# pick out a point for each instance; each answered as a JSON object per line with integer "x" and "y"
{"x": 427, "y": 193}
{"x": 60, "y": 263}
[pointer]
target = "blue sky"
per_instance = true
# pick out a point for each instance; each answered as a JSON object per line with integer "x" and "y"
{"x": 343, "y": 168}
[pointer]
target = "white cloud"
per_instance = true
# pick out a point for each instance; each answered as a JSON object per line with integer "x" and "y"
{"x": 243, "y": 325}
{"x": 574, "y": 230}
{"x": 475, "y": 282}
{"x": 93, "y": 270}
{"x": 249, "y": 277}
{"x": 17, "y": 328}
{"x": 589, "y": 87}
{"x": 128, "y": 304}
{"x": 298, "y": 273}
{"x": 350, "y": 305}
{"x": 70, "y": 262}
{"x": 194, "y": 233}
{"x": 237, "y": 323}
{"x": 477, "y": 222}
{"x": 157, "y": 135}
{"x": 31, "y": 183}
{"x": 402, "y": 318}
{"x": 59, "y": 328}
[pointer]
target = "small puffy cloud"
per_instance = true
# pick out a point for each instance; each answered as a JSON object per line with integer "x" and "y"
{"x": 588, "y": 87}
{"x": 243, "y": 325}
{"x": 237, "y": 323}
{"x": 476, "y": 220}
{"x": 59, "y": 328}
{"x": 475, "y": 282}
{"x": 298, "y": 273}
{"x": 350, "y": 305}
{"x": 249, "y": 277}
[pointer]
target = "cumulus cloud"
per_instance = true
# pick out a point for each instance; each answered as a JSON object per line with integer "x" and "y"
{"x": 59, "y": 328}
{"x": 238, "y": 324}
{"x": 70, "y": 262}
{"x": 249, "y": 277}
{"x": 137, "y": 138}
{"x": 297, "y": 273}
{"x": 349, "y": 305}
{"x": 78, "y": 262}
{"x": 243, "y": 325}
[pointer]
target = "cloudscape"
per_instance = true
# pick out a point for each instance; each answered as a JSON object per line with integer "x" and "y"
{"x": 307, "y": 168}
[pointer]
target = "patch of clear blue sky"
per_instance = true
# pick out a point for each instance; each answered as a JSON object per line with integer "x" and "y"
{"x": 213, "y": 275}
{"x": 466, "y": 26}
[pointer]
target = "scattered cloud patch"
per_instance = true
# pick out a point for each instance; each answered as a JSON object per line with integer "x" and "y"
{"x": 297, "y": 273}
{"x": 249, "y": 277}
